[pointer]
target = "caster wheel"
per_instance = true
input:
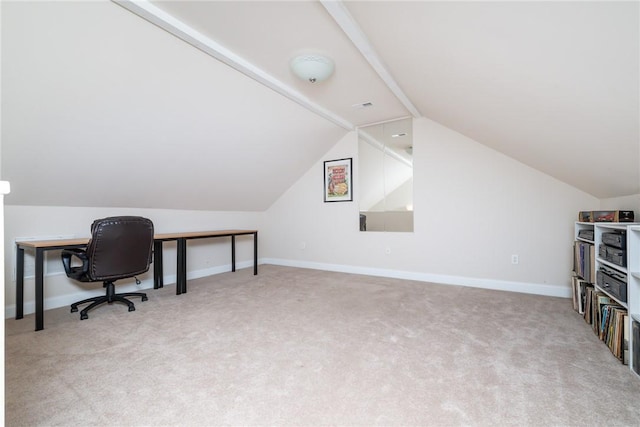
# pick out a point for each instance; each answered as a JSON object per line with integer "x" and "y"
{"x": 83, "y": 316}
{"x": 132, "y": 308}
{"x": 144, "y": 298}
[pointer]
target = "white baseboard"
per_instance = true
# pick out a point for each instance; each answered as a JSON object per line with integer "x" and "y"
{"x": 500, "y": 285}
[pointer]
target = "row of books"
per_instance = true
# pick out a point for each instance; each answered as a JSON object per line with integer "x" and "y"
{"x": 584, "y": 262}
{"x": 608, "y": 319}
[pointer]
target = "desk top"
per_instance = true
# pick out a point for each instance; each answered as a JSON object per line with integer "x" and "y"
{"x": 201, "y": 234}
{"x": 53, "y": 243}
{"x": 60, "y": 243}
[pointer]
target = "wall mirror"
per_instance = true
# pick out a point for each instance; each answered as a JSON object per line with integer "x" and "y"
{"x": 385, "y": 165}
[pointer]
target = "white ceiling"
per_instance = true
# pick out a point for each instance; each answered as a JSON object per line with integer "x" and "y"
{"x": 554, "y": 85}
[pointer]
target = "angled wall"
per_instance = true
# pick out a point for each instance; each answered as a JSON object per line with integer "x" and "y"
{"x": 474, "y": 208}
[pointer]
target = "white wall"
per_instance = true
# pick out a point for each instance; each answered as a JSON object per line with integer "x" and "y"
{"x": 206, "y": 257}
{"x": 473, "y": 208}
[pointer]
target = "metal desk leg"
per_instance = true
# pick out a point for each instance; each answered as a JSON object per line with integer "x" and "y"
{"x": 19, "y": 282}
{"x": 39, "y": 289}
{"x": 255, "y": 253}
{"x": 158, "y": 279}
{"x": 233, "y": 253}
{"x": 181, "y": 273}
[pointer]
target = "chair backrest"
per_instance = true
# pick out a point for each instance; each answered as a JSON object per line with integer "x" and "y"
{"x": 119, "y": 247}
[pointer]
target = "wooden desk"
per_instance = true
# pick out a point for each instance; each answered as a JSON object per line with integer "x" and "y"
{"x": 181, "y": 240}
{"x": 41, "y": 246}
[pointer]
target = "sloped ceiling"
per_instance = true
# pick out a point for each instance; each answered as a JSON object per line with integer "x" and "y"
{"x": 554, "y": 85}
{"x": 102, "y": 108}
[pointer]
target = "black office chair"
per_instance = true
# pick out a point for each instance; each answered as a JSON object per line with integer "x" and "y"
{"x": 120, "y": 247}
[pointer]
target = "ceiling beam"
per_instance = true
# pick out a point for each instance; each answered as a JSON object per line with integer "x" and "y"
{"x": 343, "y": 18}
{"x": 169, "y": 23}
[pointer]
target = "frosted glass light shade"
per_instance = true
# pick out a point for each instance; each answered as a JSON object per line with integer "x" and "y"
{"x": 312, "y": 68}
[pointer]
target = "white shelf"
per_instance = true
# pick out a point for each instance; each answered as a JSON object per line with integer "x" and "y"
{"x": 632, "y": 269}
{"x": 610, "y": 264}
{"x": 616, "y": 225}
{"x": 585, "y": 240}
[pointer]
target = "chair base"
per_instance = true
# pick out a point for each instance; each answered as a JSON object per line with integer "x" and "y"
{"x": 109, "y": 298}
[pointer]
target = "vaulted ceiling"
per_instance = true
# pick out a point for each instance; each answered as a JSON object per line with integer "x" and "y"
{"x": 192, "y": 104}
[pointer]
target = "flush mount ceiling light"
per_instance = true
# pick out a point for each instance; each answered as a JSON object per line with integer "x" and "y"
{"x": 312, "y": 68}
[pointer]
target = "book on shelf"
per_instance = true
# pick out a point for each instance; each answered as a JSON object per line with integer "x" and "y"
{"x": 579, "y": 293}
{"x": 584, "y": 262}
{"x": 588, "y": 309}
{"x": 609, "y": 321}
{"x": 600, "y": 299}
{"x": 621, "y": 346}
{"x": 575, "y": 292}
{"x": 625, "y": 339}
{"x": 616, "y": 333}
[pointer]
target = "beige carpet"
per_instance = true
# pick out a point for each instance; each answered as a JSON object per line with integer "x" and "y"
{"x": 296, "y": 347}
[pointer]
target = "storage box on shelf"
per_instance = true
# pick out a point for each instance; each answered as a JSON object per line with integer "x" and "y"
{"x": 607, "y": 285}
{"x": 606, "y": 216}
{"x": 611, "y": 261}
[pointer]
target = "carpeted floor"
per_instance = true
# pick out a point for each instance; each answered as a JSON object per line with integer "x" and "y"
{"x": 297, "y": 347}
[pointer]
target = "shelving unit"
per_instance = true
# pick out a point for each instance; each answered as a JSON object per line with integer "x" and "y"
{"x": 631, "y": 271}
{"x": 633, "y": 286}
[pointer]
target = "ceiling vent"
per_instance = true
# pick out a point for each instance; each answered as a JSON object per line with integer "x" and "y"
{"x": 362, "y": 105}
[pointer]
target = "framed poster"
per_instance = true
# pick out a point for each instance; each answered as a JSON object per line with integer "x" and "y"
{"x": 337, "y": 181}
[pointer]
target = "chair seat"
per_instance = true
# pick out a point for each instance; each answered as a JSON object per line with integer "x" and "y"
{"x": 119, "y": 248}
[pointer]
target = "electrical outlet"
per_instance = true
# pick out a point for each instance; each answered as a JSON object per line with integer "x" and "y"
{"x": 515, "y": 259}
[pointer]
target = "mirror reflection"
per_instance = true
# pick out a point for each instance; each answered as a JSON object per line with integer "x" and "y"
{"x": 385, "y": 163}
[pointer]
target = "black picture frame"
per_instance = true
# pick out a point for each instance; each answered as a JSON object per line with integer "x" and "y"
{"x": 338, "y": 180}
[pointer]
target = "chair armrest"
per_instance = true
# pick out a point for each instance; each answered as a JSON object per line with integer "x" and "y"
{"x": 75, "y": 272}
